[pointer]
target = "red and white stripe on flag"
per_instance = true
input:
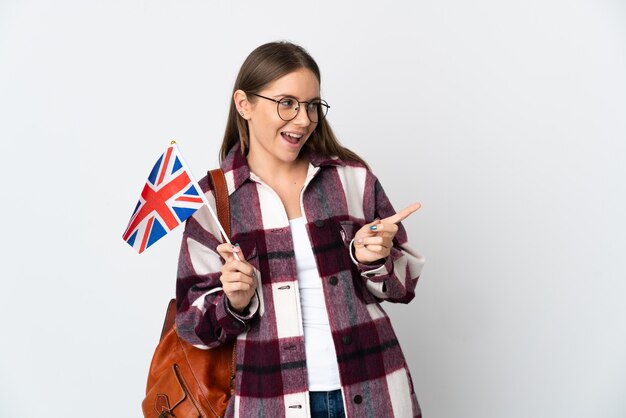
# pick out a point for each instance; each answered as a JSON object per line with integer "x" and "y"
{"x": 169, "y": 197}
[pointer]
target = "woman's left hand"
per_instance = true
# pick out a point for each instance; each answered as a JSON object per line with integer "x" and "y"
{"x": 373, "y": 242}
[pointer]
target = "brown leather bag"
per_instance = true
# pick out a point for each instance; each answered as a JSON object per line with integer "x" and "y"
{"x": 185, "y": 381}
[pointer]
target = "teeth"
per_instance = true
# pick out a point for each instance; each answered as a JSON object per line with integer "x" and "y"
{"x": 293, "y": 135}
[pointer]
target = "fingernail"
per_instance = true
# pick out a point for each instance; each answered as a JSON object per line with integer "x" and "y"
{"x": 235, "y": 248}
{"x": 359, "y": 241}
{"x": 373, "y": 227}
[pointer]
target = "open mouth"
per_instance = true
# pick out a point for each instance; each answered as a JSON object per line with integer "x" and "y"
{"x": 291, "y": 137}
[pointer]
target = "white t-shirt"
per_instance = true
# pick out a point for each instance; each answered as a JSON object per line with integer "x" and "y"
{"x": 321, "y": 358}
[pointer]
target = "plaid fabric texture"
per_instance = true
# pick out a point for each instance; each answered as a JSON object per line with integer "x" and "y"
{"x": 271, "y": 378}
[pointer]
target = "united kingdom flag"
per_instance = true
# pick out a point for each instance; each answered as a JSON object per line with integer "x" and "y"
{"x": 169, "y": 197}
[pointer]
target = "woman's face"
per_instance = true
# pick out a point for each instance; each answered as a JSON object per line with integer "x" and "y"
{"x": 271, "y": 138}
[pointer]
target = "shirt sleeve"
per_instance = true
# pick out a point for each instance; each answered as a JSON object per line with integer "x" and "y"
{"x": 204, "y": 317}
{"x": 395, "y": 277}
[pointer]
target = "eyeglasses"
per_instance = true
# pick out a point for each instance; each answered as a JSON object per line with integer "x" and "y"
{"x": 288, "y": 108}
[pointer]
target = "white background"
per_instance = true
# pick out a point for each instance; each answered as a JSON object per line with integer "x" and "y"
{"x": 507, "y": 120}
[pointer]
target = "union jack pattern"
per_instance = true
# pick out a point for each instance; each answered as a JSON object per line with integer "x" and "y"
{"x": 169, "y": 197}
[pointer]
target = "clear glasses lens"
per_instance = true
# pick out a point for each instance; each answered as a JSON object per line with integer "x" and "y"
{"x": 316, "y": 110}
{"x": 287, "y": 108}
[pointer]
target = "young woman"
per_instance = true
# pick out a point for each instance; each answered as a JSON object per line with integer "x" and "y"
{"x": 320, "y": 247}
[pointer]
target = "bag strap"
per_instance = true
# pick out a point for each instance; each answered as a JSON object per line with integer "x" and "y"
{"x": 170, "y": 318}
{"x": 223, "y": 214}
{"x": 221, "y": 198}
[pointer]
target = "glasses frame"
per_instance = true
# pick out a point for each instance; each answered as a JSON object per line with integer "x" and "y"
{"x": 322, "y": 102}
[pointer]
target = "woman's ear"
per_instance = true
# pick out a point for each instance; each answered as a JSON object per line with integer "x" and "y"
{"x": 242, "y": 104}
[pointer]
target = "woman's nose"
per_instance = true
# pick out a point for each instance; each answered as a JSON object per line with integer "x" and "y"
{"x": 302, "y": 119}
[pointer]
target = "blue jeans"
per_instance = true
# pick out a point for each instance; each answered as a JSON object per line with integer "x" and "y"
{"x": 327, "y": 404}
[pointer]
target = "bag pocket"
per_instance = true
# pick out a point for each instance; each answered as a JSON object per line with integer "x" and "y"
{"x": 170, "y": 397}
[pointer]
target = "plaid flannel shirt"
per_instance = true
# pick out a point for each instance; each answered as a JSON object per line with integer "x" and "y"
{"x": 338, "y": 198}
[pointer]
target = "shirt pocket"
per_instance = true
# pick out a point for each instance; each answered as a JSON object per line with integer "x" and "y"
{"x": 248, "y": 247}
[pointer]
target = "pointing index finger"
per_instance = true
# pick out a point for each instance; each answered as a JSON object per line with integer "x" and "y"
{"x": 403, "y": 214}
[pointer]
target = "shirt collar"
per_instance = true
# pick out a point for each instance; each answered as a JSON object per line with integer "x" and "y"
{"x": 237, "y": 164}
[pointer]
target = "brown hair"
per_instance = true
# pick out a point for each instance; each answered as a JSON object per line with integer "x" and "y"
{"x": 265, "y": 64}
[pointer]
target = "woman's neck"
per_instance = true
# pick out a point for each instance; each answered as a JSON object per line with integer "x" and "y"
{"x": 271, "y": 171}
{"x": 285, "y": 178}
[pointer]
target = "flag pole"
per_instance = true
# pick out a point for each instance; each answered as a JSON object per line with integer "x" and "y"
{"x": 202, "y": 196}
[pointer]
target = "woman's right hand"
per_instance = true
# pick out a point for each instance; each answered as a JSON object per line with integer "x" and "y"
{"x": 238, "y": 277}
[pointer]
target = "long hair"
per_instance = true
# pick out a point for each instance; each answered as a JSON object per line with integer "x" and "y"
{"x": 265, "y": 64}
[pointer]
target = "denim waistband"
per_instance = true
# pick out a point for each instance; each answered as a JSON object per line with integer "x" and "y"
{"x": 327, "y": 404}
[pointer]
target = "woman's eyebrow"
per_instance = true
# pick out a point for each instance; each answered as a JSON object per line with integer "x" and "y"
{"x": 294, "y": 97}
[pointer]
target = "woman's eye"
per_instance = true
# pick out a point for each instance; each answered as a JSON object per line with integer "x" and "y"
{"x": 313, "y": 106}
{"x": 286, "y": 102}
